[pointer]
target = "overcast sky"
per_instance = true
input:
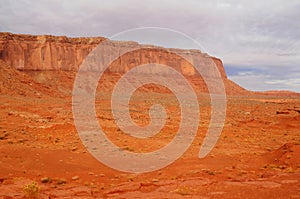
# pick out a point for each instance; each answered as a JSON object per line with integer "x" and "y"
{"x": 258, "y": 41}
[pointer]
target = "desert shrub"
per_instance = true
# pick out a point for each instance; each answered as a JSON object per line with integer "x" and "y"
{"x": 31, "y": 190}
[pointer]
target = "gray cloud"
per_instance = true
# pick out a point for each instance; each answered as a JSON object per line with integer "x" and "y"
{"x": 261, "y": 36}
{"x": 264, "y": 81}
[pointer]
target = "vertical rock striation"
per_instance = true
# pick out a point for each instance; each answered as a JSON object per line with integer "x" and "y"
{"x": 45, "y": 52}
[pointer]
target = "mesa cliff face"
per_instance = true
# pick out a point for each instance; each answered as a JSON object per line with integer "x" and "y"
{"x": 45, "y": 52}
{"x": 28, "y": 52}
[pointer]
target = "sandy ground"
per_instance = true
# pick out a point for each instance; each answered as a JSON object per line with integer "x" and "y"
{"x": 257, "y": 155}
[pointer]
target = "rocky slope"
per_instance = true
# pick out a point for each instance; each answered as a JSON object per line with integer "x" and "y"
{"x": 17, "y": 83}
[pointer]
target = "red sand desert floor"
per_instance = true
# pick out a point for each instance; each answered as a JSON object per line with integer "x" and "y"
{"x": 257, "y": 156}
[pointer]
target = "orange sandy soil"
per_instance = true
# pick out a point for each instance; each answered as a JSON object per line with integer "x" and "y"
{"x": 257, "y": 156}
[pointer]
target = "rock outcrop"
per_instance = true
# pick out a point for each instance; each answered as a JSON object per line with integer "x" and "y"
{"x": 28, "y": 52}
{"x": 45, "y": 52}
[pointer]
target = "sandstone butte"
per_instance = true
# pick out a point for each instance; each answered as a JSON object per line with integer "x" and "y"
{"x": 60, "y": 53}
{"x": 46, "y": 52}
